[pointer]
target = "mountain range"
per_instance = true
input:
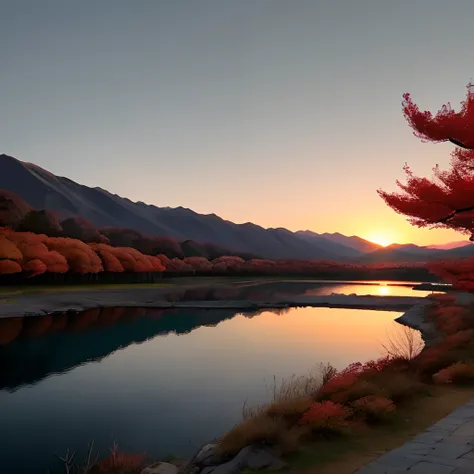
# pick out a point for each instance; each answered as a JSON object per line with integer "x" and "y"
{"x": 42, "y": 189}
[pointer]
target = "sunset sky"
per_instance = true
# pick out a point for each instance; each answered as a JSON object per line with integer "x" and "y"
{"x": 286, "y": 113}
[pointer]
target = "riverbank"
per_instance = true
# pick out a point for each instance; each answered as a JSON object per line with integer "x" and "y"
{"x": 186, "y": 296}
{"x": 325, "y": 429}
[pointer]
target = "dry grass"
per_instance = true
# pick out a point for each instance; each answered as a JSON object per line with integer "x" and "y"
{"x": 403, "y": 343}
{"x": 287, "y": 397}
{"x": 257, "y": 429}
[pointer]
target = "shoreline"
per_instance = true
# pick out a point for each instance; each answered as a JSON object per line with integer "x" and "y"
{"x": 192, "y": 297}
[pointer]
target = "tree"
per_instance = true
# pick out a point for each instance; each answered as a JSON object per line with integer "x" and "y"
{"x": 82, "y": 229}
{"x": 445, "y": 200}
{"x": 12, "y": 209}
{"x": 41, "y": 222}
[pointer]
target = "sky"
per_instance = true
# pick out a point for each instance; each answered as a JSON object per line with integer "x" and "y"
{"x": 285, "y": 113}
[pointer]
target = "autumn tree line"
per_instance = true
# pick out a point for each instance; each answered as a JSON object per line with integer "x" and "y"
{"x": 36, "y": 247}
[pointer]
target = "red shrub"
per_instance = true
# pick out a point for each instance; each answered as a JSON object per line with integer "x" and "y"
{"x": 458, "y": 339}
{"x": 449, "y": 319}
{"x": 121, "y": 462}
{"x": 349, "y": 376}
{"x": 326, "y": 416}
{"x": 435, "y": 358}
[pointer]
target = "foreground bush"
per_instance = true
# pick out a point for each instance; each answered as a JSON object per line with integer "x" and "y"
{"x": 458, "y": 373}
{"x": 327, "y": 417}
{"x": 397, "y": 386}
{"x": 374, "y": 408}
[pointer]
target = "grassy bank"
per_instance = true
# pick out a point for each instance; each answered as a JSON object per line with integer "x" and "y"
{"x": 348, "y": 417}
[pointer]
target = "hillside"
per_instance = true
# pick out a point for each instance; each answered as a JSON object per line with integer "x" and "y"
{"x": 43, "y": 190}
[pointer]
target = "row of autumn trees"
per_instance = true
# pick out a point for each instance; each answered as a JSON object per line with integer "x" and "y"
{"x": 16, "y": 214}
{"x": 446, "y": 199}
{"x": 35, "y": 242}
{"x": 27, "y": 255}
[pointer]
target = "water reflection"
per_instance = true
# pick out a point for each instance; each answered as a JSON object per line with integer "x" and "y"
{"x": 119, "y": 380}
{"x": 32, "y": 348}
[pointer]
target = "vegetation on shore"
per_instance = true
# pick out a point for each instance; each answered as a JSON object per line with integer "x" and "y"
{"x": 28, "y": 258}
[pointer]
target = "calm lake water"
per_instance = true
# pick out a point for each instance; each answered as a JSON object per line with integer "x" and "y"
{"x": 162, "y": 382}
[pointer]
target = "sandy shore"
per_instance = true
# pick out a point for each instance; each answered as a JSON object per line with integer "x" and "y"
{"x": 51, "y": 303}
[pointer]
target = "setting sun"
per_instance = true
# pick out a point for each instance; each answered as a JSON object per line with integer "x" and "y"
{"x": 380, "y": 239}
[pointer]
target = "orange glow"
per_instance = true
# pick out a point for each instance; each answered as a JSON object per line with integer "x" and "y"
{"x": 380, "y": 238}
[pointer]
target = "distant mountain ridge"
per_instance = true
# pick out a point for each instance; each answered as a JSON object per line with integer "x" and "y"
{"x": 414, "y": 253}
{"x": 43, "y": 190}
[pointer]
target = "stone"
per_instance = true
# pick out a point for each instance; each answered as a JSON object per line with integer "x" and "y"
{"x": 451, "y": 450}
{"x": 259, "y": 458}
{"x": 206, "y": 452}
{"x": 160, "y": 468}
{"x": 430, "y": 468}
{"x": 251, "y": 457}
{"x": 235, "y": 465}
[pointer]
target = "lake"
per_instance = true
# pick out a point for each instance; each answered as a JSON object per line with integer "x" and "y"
{"x": 162, "y": 382}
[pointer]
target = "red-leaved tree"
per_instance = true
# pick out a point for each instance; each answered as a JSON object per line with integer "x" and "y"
{"x": 446, "y": 200}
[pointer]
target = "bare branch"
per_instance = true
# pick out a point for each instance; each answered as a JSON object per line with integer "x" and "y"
{"x": 459, "y": 144}
{"x": 454, "y": 213}
{"x": 68, "y": 461}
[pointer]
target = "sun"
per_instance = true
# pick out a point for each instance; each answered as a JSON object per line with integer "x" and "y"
{"x": 380, "y": 238}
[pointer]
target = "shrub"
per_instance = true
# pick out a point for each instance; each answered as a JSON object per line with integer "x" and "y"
{"x": 458, "y": 373}
{"x": 120, "y": 463}
{"x": 450, "y": 319}
{"x": 337, "y": 384}
{"x": 458, "y": 339}
{"x": 435, "y": 358}
{"x": 397, "y": 386}
{"x": 374, "y": 408}
{"x": 340, "y": 382}
{"x": 327, "y": 417}
{"x": 360, "y": 389}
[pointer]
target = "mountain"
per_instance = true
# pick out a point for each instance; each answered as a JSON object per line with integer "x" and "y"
{"x": 41, "y": 189}
{"x": 414, "y": 253}
{"x": 44, "y": 190}
{"x": 450, "y": 245}
{"x": 346, "y": 247}
{"x": 354, "y": 242}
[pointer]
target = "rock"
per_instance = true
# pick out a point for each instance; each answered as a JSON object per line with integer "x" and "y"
{"x": 206, "y": 456}
{"x": 160, "y": 468}
{"x": 260, "y": 458}
{"x": 252, "y": 457}
{"x": 233, "y": 466}
{"x": 205, "y": 453}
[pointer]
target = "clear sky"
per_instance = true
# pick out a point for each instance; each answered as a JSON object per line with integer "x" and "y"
{"x": 286, "y": 113}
